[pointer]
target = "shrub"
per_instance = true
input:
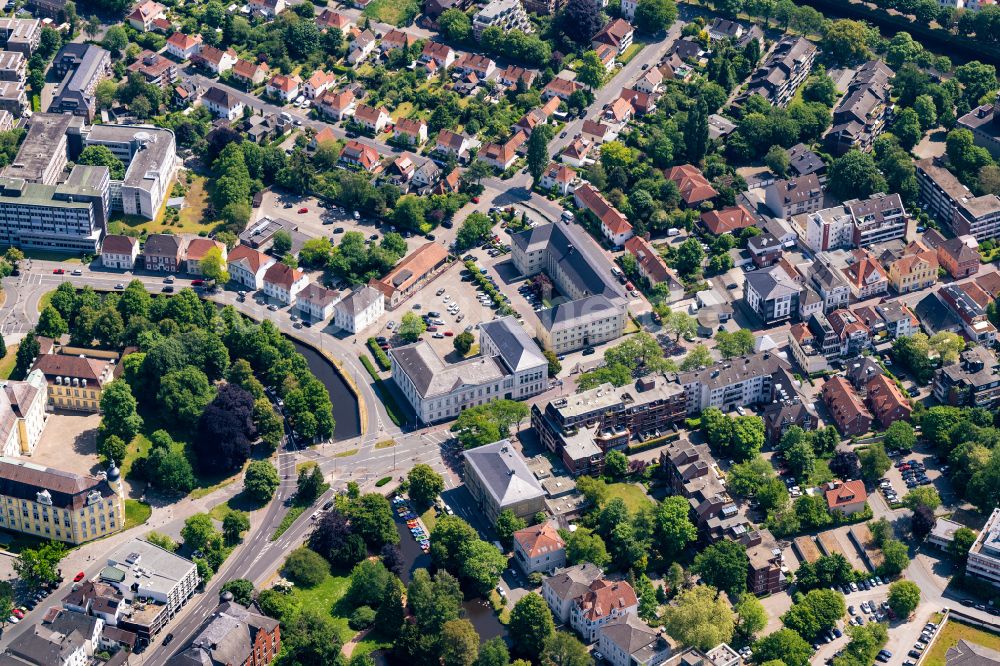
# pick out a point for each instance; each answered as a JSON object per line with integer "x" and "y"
{"x": 380, "y": 356}
{"x": 384, "y": 480}
{"x": 306, "y": 567}
{"x": 362, "y": 618}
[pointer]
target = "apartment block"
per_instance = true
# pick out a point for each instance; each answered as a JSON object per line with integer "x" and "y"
{"x": 984, "y": 555}
{"x": 972, "y": 381}
{"x": 954, "y": 204}
{"x": 506, "y": 15}
{"x": 862, "y": 114}
{"x": 785, "y": 69}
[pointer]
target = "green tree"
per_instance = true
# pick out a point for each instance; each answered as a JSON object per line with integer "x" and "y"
{"x": 455, "y": 25}
{"x": 582, "y": 545}
{"x": 459, "y": 643}
{"x": 309, "y": 485}
{"x": 538, "y": 151}
{"x": 306, "y": 567}
{"x": 489, "y": 422}
{"x": 811, "y": 511}
{"x": 696, "y": 134}
{"x": 493, "y": 653}
{"x": 27, "y": 351}
{"x": 922, "y": 496}
{"x": 723, "y": 565}
{"x": 816, "y": 612}
{"x": 777, "y": 161}
{"x": 751, "y": 617}
{"x": 895, "y": 557}
{"x": 391, "y": 615}
{"x": 906, "y": 127}
{"x": 653, "y": 16}
{"x": 213, "y": 266}
{"x": 184, "y": 394}
{"x": 474, "y": 229}
{"x": 530, "y": 624}
{"x": 282, "y": 243}
{"x": 899, "y": 435}
{"x": 563, "y": 649}
{"x": 36, "y": 566}
{"x": 102, "y": 156}
{"x": 672, "y": 526}
{"x": 874, "y": 461}
{"x": 411, "y": 327}
{"x": 689, "y": 257}
{"x": 508, "y": 523}
{"x": 111, "y": 448}
{"x": 234, "y": 525}
{"x": 261, "y": 480}
{"x": 785, "y": 646}
{"x": 962, "y": 541}
{"x": 904, "y": 597}
{"x": 371, "y": 519}
{"x": 855, "y": 174}
{"x": 739, "y": 343}
{"x": 241, "y": 589}
{"x": 591, "y": 71}
{"x": 697, "y": 357}
{"x": 846, "y": 42}
{"x": 118, "y": 406}
{"x": 463, "y": 342}
{"x": 115, "y": 39}
{"x": 425, "y": 484}
{"x": 700, "y": 618}
{"x": 51, "y": 324}
{"x": 616, "y": 464}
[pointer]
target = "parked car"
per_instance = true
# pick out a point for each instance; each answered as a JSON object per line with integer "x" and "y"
{"x": 80, "y": 576}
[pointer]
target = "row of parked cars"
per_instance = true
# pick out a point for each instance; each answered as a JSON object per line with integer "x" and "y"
{"x": 926, "y": 636}
{"x": 914, "y": 473}
{"x": 18, "y": 613}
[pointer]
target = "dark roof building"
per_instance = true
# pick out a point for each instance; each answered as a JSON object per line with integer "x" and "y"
{"x": 233, "y": 635}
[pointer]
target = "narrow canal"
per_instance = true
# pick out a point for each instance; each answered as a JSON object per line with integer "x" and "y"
{"x": 345, "y": 403}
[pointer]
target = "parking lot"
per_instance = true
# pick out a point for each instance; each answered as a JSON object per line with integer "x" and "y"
{"x": 448, "y": 300}
{"x": 926, "y": 463}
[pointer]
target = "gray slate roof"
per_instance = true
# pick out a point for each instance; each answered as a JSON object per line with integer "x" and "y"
{"x": 359, "y": 300}
{"x": 574, "y": 581}
{"x": 431, "y": 376}
{"x": 576, "y": 313}
{"x": 504, "y": 473}
{"x": 516, "y": 347}
{"x": 772, "y": 282}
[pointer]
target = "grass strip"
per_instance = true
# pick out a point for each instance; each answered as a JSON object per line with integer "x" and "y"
{"x": 287, "y": 521}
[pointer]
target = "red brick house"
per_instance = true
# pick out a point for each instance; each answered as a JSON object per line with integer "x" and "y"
{"x": 848, "y": 412}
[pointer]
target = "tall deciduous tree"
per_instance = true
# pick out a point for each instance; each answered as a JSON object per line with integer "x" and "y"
{"x": 700, "y": 618}
{"x": 530, "y": 624}
{"x": 538, "y": 151}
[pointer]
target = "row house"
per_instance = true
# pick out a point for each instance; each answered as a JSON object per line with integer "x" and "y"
{"x": 316, "y": 303}
{"x": 862, "y": 114}
{"x": 972, "y": 381}
{"x": 650, "y": 82}
{"x": 215, "y": 60}
{"x": 401, "y": 170}
{"x": 694, "y": 188}
{"x": 145, "y": 14}
{"x": 284, "y": 87}
{"x": 336, "y": 105}
{"x": 502, "y": 156}
{"x": 440, "y": 54}
{"x": 318, "y": 83}
{"x": 865, "y": 275}
{"x": 517, "y": 77}
{"x": 617, "y": 33}
{"x": 772, "y": 294}
{"x": 250, "y": 73}
{"x": 119, "y": 252}
{"x": 851, "y": 331}
{"x": 788, "y": 408}
{"x": 969, "y": 302}
{"x": 267, "y": 8}
{"x": 607, "y": 55}
{"x": 453, "y": 143}
{"x": 183, "y": 47}
{"x": 163, "y": 253}
{"x": 198, "y": 249}
{"x": 397, "y": 39}
{"x": 917, "y": 269}
{"x": 222, "y": 103}
{"x": 898, "y": 319}
{"x": 614, "y": 225}
{"x": 412, "y": 132}
{"x": 794, "y": 196}
{"x": 731, "y": 220}
{"x": 284, "y": 283}
{"x": 846, "y": 408}
{"x": 642, "y": 103}
{"x": 361, "y": 47}
{"x": 329, "y": 19}
{"x": 361, "y": 156}
{"x": 155, "y": 69}
{"x": 886, "y": 402}
{"x": 805, "y": 346}
{"x": 598, "y": 132}
{"x": 559, "y": 178}
{"x": 829, "y": 284}
{"x": 959, "y": 256}
{"x": 539, "y": 116}
{"x": 619, "y": 111}
{"x": 802, "y": 161}
{"x": 652, "y": 267}
{"x": 474, "y": 63}
{"x": 371, "y": 118}
{"x": 247, "y": 266}
{"x": 561, "y": 88}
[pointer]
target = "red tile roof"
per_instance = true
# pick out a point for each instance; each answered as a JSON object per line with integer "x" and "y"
{"x": 283, "y": 275}
{"x": 248, "y": 256}
{"x": 539, "y": 539}
{"x": 693, "y": 185}
{"x": 728, "y": 220}
{"x": 846, "y": 493}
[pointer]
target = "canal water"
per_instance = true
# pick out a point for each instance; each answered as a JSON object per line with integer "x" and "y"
{"x": 345, "y": 403}
{"x": 476, "y": 610}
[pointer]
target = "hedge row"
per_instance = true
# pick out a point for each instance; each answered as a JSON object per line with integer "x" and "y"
{"x": 653, "y": 443}
{"x": 380, "y": 356}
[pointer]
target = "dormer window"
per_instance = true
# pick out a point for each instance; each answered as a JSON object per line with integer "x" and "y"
{"x": 44, "y": 497}
{"x": 93, "y": 497}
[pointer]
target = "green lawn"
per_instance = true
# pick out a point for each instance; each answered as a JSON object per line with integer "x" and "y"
{"x": 44, "y": 301}
{"x": 634, "y": 497}
{"x": 136, "y": 513}
{"x": 137, "y": 448}
{"x": 631, "y": 52}
{"x": 325, "y": 599}
{"x": 189, "y": 221}
{"x": 430, "y": 518}
{"x": 395, "y": 12}
{"x": 8, "y": 362}
{"x": 287, "y": 521}
{"x": 385, "y": 444}
{"x": 954, "y": 632}
{"x": 44, "y": 255}
{"x": 346, "y": 454}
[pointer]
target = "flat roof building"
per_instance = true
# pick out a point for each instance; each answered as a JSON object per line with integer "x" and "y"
{"x": 984, "y": 555}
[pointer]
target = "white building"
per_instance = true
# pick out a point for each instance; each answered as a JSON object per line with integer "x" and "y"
{"x": 222, "y": 104}
{"x": 359, "y": 310}
{"x": 740, "y": 381}
{"x": 248, "y": 266}
{"x": 984, "y": 556}
{"x": 140, "y": 569}
{"x": 628, "y": 641}
{"x": 827, "y": 229}
{"x": 119, "y": 252}
{"x": 22, "y": 414}
{"x": 504, "y": 14}
{"x": 316, "y": 302}
{"x": 283, "y": 283}
{"x": 510, "y": 366}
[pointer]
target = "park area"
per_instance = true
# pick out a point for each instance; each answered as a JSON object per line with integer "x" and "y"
{"x": 952, "y": 633}
{"x": 187, "y": 220}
